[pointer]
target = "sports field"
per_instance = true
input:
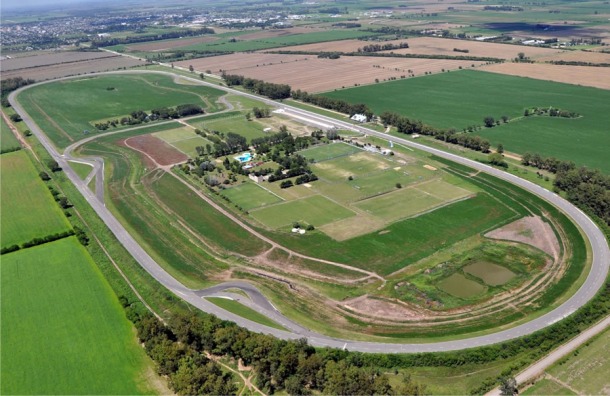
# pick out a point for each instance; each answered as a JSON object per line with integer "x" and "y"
{"x": 28, "y": 208}
{"x": 236, "y": 124}
{"x": 63, "y": 330}
{"x": 316, "y": 210}
{"x": 464, "y": 98}
{"x": 329, "y": 151}
{"x": 184, "y": 139}
{"x": 65, "y": 109}
{"x": 250, "y": 195}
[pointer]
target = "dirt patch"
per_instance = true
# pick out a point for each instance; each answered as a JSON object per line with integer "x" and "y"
{"x": 578, "y": 56}
{"x": 313, "y": 74}
{"x": 532, "y": 231}
{"x": 582, "y": 75}
{"x": 233, "y": 62}
{"x": 156, "y": 149}
{"x": 382, "y": 309}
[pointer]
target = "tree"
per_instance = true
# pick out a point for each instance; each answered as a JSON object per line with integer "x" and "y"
{"x": 504, "y": 119}
{"x": 489, "y": 121}
{"x": 508, "y": 386}
{"x": 191, "y": 68}
{"x": 398, "y": 185}
{"x": 202, "y": 76}
{"x": 521, "y": 56}
{"x": 500, "y": 149}
{"x": 53, "y": 165}
{"x": 248, "y": 116}
{"x": 497, "y": 159}
{"x": 15, "y": 117}
{"x": 44, "y": 176}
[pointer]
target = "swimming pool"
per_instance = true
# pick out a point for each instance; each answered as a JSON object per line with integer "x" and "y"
{"x": 245, "y": 157}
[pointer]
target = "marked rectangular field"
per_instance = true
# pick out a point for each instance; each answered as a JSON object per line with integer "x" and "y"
{"x": 63, "y": 329}
{"x": 249, "y": 196}
{"x": 28, "y": 208}
{"x": 329, "y": 151}
{"x": 315, "y": 210}
{"x": 399, "y": 204}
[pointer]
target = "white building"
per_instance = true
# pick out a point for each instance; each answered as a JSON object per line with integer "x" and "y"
{"x": 359, "y": 118}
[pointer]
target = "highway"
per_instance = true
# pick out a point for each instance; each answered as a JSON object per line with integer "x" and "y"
{"x": 594, "y": 281}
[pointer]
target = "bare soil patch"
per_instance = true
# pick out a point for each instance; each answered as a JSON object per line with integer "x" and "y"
{"x": 159, "y": 151}
{"x": 581, "y": 75}
{"x": 532, "y": 231}
{"x": 46, "y": 59}
{"x": 382, "y": 309}
{"x": 156, "y": 46}
{"x": 313, "y": 74}
{"x": 239, "y": 62}
{"x": 578, "y": 56}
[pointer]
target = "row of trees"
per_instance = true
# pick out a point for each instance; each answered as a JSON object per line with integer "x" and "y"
{"x": 140, "y": 116}
{"x": 333, "y": 104}
{"x": 12, "y": 84}
{"x": 270, "y": 90}
{"x": 383, "y": 47}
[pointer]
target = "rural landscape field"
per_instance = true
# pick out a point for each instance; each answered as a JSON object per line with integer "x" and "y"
{"x": 418, "y": 192}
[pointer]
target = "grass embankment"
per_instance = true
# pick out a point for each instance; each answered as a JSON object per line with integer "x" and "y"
{"x": 65, "y": 109}
{"x": 243, "y": 311}
{"x": 63, "y": 329}
{"x": 28, "y": 208}
{"x": 467, "y": 97}
{"x": 82, "y": 170}
{"x": 8, "y": 141}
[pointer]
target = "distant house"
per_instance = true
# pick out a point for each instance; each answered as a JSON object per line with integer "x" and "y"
{"x": 359, "y": 118}
{"x": 257, "y": 179}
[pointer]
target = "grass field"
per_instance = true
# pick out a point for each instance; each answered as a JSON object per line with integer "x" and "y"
{"x": 184, "y": 139}
{"x": 8, "y": 141}
{"x": 236, "y": 124}
{"x": 329, "y": 151}
{"x": 316, "y": 210}
{"x": 65, "y": 109}
{"x": 28, "y": 208}
{"x": 586, "y": 370}
{"x": 82, "y": 170}
{"x": 249, "y": 196}
{"x": 63, "y": 330}
{"x": 243, "y": 311}
{"x": 459, "y": 99}
{"x": 547, "y": 387}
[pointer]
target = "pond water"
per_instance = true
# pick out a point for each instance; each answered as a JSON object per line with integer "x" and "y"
{"x": 459, "y": 286}
{"x": 492, "y": 274}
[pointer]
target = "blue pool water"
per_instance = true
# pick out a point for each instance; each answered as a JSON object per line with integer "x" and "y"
{"x": 245, "y": 157}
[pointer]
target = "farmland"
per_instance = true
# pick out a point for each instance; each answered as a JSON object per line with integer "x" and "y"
{"x": 34, "y": 213}
{"x": 59, "y": 312}
{"x": 473, "y": 95}
{"x": 48, "y": 66}
{"x": 92, "y": 99}
{"x": 9, "y": 141}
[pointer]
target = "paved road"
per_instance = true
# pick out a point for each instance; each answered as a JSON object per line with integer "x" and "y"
{"x": 595, "y": 279}
{"x": 538, "y": 368}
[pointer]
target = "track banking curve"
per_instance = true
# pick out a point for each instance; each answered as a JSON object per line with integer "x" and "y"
{"x": 594, "y": 281}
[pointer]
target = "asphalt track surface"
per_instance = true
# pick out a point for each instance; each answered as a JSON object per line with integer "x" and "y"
{"x": 595, "y": 279}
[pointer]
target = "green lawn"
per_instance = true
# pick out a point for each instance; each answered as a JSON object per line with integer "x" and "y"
{"x": 27, "y": 206}
{"x": 236, "y": 124}
{"x": 250, "y": 196}
{"x": 329, "y": 151}
{"x": 8, "y": 141}
{"x": 63, "y": 329}
{"x": 82, "y": 170}
{"x": 315, "y": 210}
{"x": 64, "y": 109}
{"x": 246, "y": 312}
{"x": 462, "y": 98}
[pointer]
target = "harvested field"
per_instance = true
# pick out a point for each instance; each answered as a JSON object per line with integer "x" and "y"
{"x": 164, "y": 45}
{"x": 159, "y": 151}
{"x": 434, "y": 46}
{"x": 240, "y": 62}
{"x": 317, "y": 75}
{"x": 381, "y": 309}
{"x": 57, "y": 70}
{"x": 46, "y": 59}
{"x": 578, "y": 56}
{"x": 580, "y": 75}
{"x": 532, "y": 231}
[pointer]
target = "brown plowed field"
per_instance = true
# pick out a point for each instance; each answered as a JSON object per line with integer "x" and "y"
{"x": 233, "y": 62}
{"x": 316, "y": 75}
{"x": 598, "y": 77}
{"x": 434, "y": 46}
{"x": 165, "y": 45}
{"x": 161, "y": 152}
{"x": 46, "y": 59}
{"x": 73, "y": 68}
{"x": 578, "y": 56}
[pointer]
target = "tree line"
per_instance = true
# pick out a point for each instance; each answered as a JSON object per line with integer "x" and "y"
{"x": 12, "y": 84}
{"x": 395, "y": 55}
{"x": 140, "y": 116}
{"x": 270, "y": 90}
{"x": 382, "y": 47}
{"x": 339, "y": 105}
{"x": 109, "y": 41}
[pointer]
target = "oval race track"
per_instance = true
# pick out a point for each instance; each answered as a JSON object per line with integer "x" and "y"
{"x": 595, "y": 279}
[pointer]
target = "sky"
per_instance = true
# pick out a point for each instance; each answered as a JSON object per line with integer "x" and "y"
{"x": 37, "y": 3}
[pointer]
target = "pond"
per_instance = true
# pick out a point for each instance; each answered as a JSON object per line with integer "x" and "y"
{"x": 492, "y": 274}
{"x": 459, "y": 286}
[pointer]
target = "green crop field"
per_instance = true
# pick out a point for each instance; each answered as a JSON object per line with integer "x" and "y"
{"x": 28, "y": 208}
{"x": 329, "y": 151}
{"x": 63, "y": 329}
{"x": 65, "y": 109}
{"x": 8, "y": 141}
{"x": 463, "y": 98}
{"x": 236, "y": 124}
{"x": 249, "y": 196}
{"x": 315, "y": 210}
